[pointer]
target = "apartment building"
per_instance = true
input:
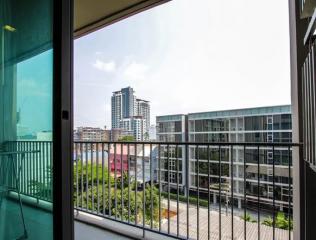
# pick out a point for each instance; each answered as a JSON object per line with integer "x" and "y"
{"x": 91, "y": 134}
{"x": 172, "y": 128}
{"x": 264, "y": 124}
{"x": 134, "y": 126}
{"x": 143, "y": 110}
{"x": 130, "y": 114}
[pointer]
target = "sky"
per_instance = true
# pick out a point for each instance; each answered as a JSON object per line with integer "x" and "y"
{"x": 187, "y": 57}
{"x": 34, "y": 94}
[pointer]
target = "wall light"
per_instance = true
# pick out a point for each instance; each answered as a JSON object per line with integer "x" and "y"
{"x": 9, "y": 28}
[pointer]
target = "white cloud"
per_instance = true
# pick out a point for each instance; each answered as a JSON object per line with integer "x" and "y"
{"x": 105, "y": 66}
{"x": 135, "y": 71}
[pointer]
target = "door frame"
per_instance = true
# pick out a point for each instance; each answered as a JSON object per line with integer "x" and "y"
{"x": 63, "y": 219}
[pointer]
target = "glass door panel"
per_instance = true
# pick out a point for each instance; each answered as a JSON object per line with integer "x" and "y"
{"x": 26, "y": 68}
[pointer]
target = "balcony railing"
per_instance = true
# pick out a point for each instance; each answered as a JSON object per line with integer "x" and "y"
{"x": 184, "y": 190}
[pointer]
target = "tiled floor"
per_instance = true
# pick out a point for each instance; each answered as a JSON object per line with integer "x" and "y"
{"x": 266, "y": 233}
{"x": 87, "y": 232}
{"x": 39, "y": 225}
{"x": 38, "y": 222}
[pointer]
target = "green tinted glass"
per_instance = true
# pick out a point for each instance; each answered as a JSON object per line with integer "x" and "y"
{"x": 26, "y": 68}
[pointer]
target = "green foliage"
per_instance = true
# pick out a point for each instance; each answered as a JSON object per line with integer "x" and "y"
{"x": 43, "y": 189}
{"x": 192, "y": 199}
{"x": 225, "y": 187}
{"x": 146, "y": 136}
{"x": 248, "y": 218}
{"x": 281, "y": 221}
{"x": 127, "y": 139}
{"x": 119, "y": 199}
{"x": 268, "y": 221}
{"x": 86, "y": 174}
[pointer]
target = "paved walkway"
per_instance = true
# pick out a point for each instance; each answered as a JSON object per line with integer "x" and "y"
{"x": 266, "y": 233}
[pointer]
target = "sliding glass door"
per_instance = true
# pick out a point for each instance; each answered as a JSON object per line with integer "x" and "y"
{"x": 26, "y": 119}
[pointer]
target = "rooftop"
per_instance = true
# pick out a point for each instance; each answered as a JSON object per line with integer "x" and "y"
{"x": 230, "y": 113}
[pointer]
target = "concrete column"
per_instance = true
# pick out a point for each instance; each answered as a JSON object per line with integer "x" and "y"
{"x": 239, "y": 203}
{"x": 214, "y": 198}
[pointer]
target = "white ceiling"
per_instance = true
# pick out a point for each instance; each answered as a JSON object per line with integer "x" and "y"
{"x": 91, "y": 15}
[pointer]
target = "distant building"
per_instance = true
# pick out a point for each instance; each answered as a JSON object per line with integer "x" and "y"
{"x": 44, "y": 136}
{"x": 263, "y": 124}
{"x": 91, "y": 134}
{"x": 130, "y": 114}
{"x": 152, "y": 133}
{"x": 123, "y": 157}
{"x": 172, "y": 128}
{"x": 115, "y": 134}
{"x": 143, "y": 110}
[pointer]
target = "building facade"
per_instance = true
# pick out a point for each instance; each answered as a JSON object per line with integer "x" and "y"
{"x": 116, "y": 109}
{"x": 143, "y": 110}
{"x": 266, "y": 124}
{"x": 91, "y": 134}
{"x": 172, "y": 128}
{"x": 130, "y": 114}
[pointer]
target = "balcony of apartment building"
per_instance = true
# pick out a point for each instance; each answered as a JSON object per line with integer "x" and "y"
{"x": 151, "y": 190}
{"x": 215, "y": 183}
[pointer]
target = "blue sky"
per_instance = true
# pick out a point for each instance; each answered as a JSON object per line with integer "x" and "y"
{"x": 187, "y": 57}
{"x": 34, "y": 93}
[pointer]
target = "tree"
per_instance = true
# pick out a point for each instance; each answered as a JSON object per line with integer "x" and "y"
{"x": 281, "y": 221}
{"x": 146, "y": 136}
{"x": 128, "y": 138}
{"x": 88, "y": 194}
{"x": 43, "y": 189}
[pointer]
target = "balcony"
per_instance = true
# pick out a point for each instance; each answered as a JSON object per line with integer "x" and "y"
{"x": 180, "y": 190}
{"x": 38, "y": 221}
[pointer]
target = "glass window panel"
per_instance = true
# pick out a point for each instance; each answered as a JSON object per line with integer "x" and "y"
{"x": 26, "y": 60}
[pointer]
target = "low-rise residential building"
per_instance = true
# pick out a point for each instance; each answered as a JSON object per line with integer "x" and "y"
{"x": 91, "y": 134}
{"x": 263, "y": 124}
{"x": 123, "y": 159}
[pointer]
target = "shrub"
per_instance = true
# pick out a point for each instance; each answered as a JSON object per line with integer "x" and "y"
{"x": 281, "y": 221}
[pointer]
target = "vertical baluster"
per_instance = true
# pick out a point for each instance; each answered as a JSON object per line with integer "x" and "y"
{"x": 144, "y": 189}
{"x": 136, "y": 184}
{"x": 220, "y": 193}
{"x": 159, "y": 182}
{"x": 151, "y": 185}
{"x": 208, "y": 192}
{"x": 81, "y": 175}
{"x": 198, "y": 193}
{"x": 187, "y": 172}
{"x": 122, "y": 180}
{"x": 245, "y": 195}
{"x": 36, "y": 170}
{"x": 289, "y": 191}
{"x": 232, "y": 188}
{"x": 168, "y": 172}
{"x": 23, "y": 167}
{"x": 97, "y": 173}
{"x": 87, "y": 178}
{"x": 109, "y": 180}
{"x": 177, "y": 162}
{"x": 29, "y": 177}
{"x": 103, "y": 181}
{"x": 273, "y": 189}
{"x": 115, "y": 182}
{"x": 258, "y": 192}
{"x": 41, "y": 167}
{"x": 48, "y": 170}
{"x": 129, "y": 182}
{"x": 77, "y": 177}
{"x": 92, "y": 180}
